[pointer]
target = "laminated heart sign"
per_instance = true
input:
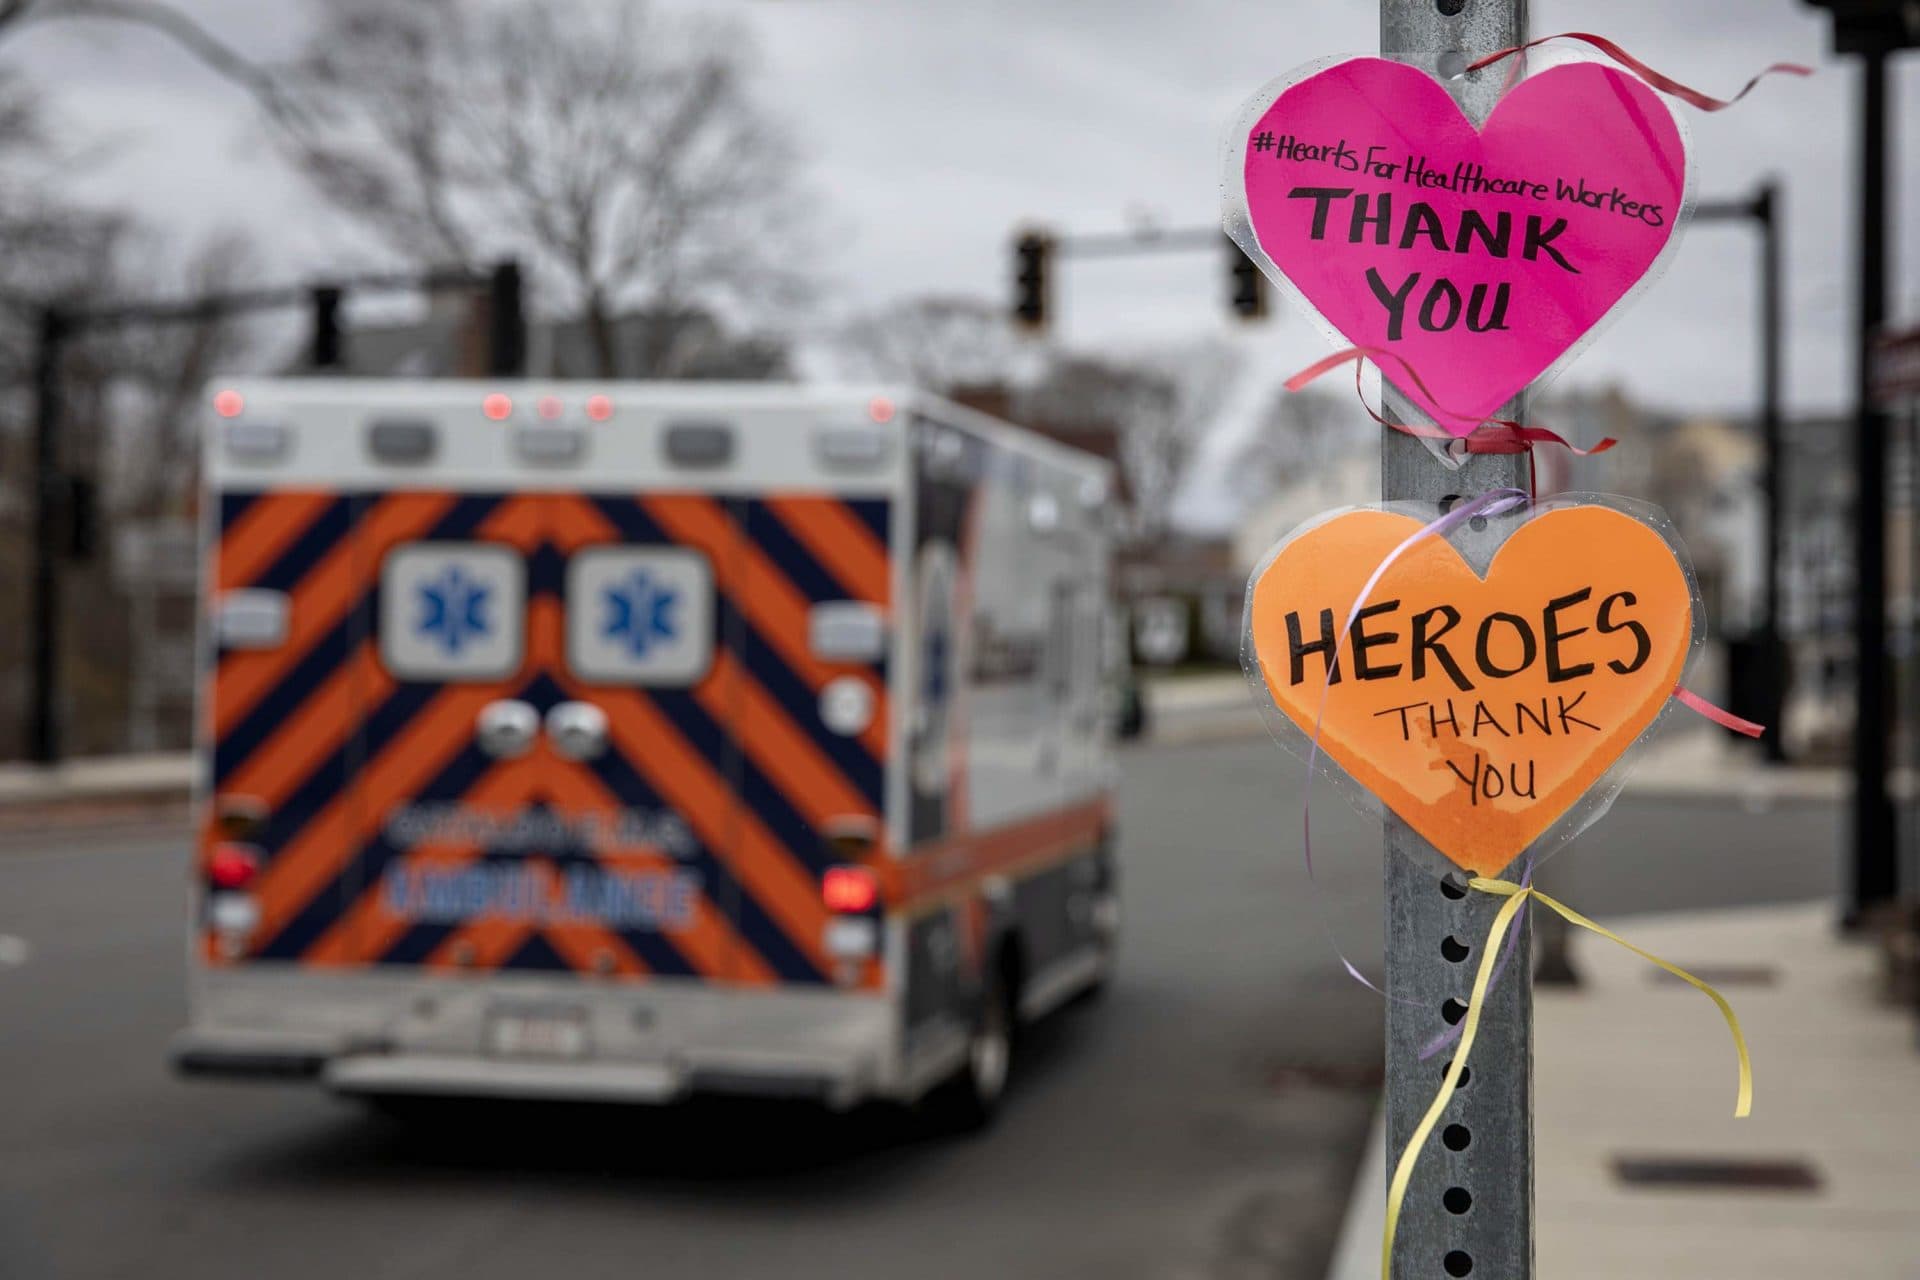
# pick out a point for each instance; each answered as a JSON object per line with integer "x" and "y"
{"x": 1478, "y": 259}
{"x": 1479, "y": 707}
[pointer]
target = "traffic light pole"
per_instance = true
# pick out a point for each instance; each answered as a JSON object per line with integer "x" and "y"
{"x": 1764, "y": 210}
{"x": 1469, "y": 1207}
{"x": 54, "y": 490}
{"x": 1773, "y": 649}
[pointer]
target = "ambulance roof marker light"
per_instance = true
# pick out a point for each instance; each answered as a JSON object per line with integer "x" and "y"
{"x": 599, "y": 408}
{"x": 498, "y": 407}
{"x": 229, "y": 403}
{"x": 881, "y": 410}
{"x": 548, "y": 407}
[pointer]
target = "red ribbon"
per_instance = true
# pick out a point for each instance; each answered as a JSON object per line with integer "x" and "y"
{"x": 1666, "y": 84}
{"x": 1719, "y": 715}
{"x": 1509, "y": 437}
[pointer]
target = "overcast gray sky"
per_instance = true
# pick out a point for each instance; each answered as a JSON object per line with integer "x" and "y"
{"x": 933, "y": 128}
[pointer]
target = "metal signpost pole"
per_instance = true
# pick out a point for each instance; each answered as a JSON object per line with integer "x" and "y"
{"x": 1469, "y": 1208}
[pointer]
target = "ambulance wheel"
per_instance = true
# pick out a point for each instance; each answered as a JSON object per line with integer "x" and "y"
{"x": 968, "y": 1102}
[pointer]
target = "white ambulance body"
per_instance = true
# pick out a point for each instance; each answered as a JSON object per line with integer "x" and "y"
{"x": 629, "y": 741}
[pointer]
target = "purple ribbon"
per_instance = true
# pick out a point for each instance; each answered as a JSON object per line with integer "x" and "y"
{"x": 1491, "y": 503}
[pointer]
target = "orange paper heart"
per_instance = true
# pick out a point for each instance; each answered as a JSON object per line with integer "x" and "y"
{"x": 1478, "y": 709}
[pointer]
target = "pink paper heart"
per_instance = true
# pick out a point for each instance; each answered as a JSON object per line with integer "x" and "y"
{"x": 1480, "y": 289}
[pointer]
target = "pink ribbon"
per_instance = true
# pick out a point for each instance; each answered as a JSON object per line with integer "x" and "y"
{"x": 1719, "y": 715}
{"x": 1666, "y": 84}
{"x": 1510, "y": 436}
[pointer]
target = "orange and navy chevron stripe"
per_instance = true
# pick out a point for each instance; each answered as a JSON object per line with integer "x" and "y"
{"x": 332, "y": 743}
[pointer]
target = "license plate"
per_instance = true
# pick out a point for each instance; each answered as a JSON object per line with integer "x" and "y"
{"x": 546, "y": 1034}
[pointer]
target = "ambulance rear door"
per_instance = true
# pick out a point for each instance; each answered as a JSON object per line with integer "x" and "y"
{"x": 547, "y": 785}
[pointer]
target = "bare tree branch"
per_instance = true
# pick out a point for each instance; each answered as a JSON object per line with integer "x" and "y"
{"x": 942, "y": 343}
{"x": 165, "y": 19}
{"x": 613, "y": 148}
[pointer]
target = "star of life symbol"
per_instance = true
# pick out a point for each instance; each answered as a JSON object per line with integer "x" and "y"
{"x": 640, "y": 612}
{"x": 453, "y": 609}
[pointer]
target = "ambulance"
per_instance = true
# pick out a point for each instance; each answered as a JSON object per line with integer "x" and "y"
{"x": 630, "y": 742}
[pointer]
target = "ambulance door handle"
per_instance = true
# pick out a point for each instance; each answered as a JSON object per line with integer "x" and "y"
{"x": 578, "y": 730}
{"x": 506, "y": 729}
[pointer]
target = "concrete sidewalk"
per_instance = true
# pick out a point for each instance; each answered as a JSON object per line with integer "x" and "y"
{"x": 1632, "y": 1066}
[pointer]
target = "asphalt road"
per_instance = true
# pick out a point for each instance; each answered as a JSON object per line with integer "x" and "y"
{"x": 1201, "y": 1123}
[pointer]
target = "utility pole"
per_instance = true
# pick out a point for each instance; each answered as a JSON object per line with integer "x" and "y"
{"x": 1874, "y": 876}
{"x": 1469, "y": 1207}
{"x": 1874, "y": 29}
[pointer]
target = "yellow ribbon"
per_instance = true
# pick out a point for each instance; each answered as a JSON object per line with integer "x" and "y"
{"x": 1516, "y": 897}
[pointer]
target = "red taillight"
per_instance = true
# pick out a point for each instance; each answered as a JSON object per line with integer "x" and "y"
{"x": 599, "y": 408}
{"x": 229, "y": 403}
{"x": 849, "y": 890}
{"x": 498, "y": 407}
{"x": 233, "y": 866}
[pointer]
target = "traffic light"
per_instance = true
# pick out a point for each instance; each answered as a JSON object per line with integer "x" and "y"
{"x": 1246, "y": 287}
{"x": 1870, "y": 26}
{"x": 1032, "y": 253}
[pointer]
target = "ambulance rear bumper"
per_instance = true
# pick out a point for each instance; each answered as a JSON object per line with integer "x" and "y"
{"x": 249, "y": 1056}
{"x": 639, "y": 1082}
{"x": 652, "y": 1043}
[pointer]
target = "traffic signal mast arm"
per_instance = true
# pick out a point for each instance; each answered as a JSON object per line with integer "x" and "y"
{"x": 1035, "y": 251}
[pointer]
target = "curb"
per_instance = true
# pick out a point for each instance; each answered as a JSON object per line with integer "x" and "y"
{"x": 110, "y": 791}
{"x": 1356, "y": 1256}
